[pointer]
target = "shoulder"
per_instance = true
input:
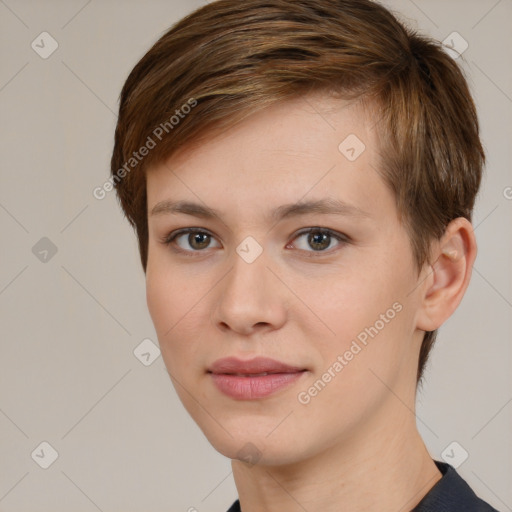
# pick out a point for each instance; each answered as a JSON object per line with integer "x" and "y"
{"x": 451, "y": 494}
{"x": 235, "y": 507}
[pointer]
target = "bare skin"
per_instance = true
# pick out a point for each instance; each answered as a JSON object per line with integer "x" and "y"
{"x": 353, "y": 445}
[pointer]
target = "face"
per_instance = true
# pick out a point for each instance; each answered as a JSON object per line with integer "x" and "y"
{"x": 325, "y": 290}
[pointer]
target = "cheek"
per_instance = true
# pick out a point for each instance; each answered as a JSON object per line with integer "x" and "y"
{"x": 158, "y": 298}
{"x": 365, "y": 350}
{"x": 369, "y": 318}
{"x": 168, "y": 289}
{"x": 355, "y": 301}
{"x": 165, "y": 301}
{"x": 175, "y": 300}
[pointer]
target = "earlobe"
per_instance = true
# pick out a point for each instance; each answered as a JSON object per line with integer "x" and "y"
{"x": 453, "y": 259}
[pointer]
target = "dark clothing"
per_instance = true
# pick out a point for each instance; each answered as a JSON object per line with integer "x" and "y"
{"x": 450, "y": 494}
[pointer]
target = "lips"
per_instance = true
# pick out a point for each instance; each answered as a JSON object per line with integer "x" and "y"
{"x": 254, "y": 379}
{"x": 252, "y": 367}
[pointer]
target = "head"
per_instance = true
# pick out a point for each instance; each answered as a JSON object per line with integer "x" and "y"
{"x": 243, "y": 111}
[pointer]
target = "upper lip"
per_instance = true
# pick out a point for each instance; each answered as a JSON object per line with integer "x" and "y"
{"x": 233, "y": 365}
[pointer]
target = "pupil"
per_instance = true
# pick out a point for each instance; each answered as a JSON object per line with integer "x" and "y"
{"x": 315, "y": 240}
{"x": 196, "y": 237}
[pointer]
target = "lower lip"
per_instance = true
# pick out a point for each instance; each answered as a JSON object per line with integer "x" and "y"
{"x": 252, "y": 388}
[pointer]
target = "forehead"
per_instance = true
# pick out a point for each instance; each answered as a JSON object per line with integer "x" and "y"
{"x": 296, "y": 126}
{"x": 308, "y": 147}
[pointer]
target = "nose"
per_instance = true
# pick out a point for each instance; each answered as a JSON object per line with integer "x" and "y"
{"x": 250, "y": 298}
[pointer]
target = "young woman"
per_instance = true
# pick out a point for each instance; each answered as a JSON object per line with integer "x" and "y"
{"x": 301, "y": 176}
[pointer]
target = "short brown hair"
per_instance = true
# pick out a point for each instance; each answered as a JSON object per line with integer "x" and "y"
{"x": 231, "y": 58}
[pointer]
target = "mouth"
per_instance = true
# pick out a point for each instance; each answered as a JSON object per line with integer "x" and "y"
{"x": 251, "y": 367}
{"x": 253, "y": 379}
{"x": 254, "y": 374}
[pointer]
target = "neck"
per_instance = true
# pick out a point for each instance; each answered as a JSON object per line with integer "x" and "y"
{"x": 384, "y": 469}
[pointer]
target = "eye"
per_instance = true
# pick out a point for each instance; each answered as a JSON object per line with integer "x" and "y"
{"x": 196, "y": 239}
{"x": 319, "y": 239}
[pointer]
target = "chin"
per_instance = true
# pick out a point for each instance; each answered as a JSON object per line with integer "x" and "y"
{"x": 257, "y": 447}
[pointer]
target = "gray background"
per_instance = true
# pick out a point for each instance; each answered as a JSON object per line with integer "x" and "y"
{"x": 70, "y": 323}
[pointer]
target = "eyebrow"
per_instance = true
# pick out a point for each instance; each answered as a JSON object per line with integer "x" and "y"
{"x": 327, "y": 206}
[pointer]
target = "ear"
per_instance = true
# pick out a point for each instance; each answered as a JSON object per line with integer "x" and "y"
{"x": 449, "y": 276}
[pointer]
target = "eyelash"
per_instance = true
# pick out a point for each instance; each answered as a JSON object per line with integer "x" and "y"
{"x": 343, "y": 239}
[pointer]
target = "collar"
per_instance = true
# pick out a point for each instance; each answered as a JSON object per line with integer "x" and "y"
{"x": 449, "y": 494}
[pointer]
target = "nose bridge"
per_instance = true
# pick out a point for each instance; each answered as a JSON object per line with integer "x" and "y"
{"x": 248, "y": 276}
{"x": 247, "y": 297}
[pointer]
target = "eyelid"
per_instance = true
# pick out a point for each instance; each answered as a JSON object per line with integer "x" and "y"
{"x": 340, "y": 237}
{"x": 169, "y": 239}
